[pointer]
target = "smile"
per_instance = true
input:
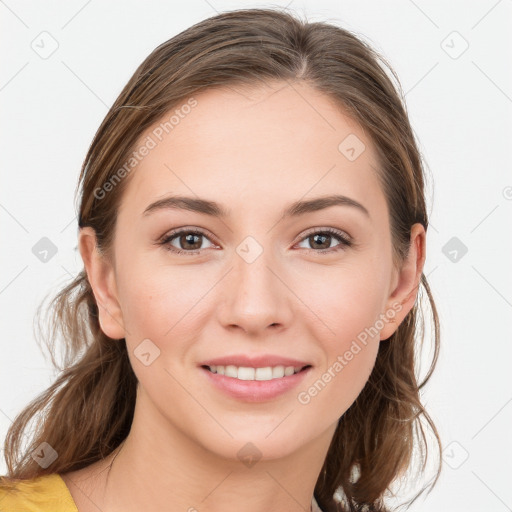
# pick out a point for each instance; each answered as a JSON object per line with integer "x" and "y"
{"x": 248, "y": 384}
{"x": 249, "y": 373}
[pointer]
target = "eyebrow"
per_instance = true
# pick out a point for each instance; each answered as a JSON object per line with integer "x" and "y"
{"x": 214, "y": 209}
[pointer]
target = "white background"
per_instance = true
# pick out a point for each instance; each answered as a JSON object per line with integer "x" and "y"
{"x": 460, "y": 109}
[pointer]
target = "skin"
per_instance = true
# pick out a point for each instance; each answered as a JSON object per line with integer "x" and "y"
{"x": 255, "y": 152}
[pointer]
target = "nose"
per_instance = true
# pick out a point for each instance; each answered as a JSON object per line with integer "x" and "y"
{"x": 255, "y": 295}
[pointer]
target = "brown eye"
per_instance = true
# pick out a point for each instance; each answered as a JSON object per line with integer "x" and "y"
{"x": 320, "y": 241}
{"x": 190, "y": 241}
{"x": 187, "y": 241}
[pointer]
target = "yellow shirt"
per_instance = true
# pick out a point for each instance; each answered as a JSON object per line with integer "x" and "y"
{"x": 47, "y": 493}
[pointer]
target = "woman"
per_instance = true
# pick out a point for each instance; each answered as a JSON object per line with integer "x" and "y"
{"x": 243, "y": 334}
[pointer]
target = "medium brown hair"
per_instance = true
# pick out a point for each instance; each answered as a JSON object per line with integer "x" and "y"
{"x": 88, "y": 410}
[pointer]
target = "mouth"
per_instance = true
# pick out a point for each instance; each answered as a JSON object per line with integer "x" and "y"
{"x": 247, "y": 373}
{"x": 255, "y": 384}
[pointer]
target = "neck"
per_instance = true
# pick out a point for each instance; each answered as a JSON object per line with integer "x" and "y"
{"x": 159, "y": 467}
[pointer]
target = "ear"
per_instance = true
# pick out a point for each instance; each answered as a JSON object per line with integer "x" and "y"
{"x": 406, "y": 283}
{"x": 101, "y": 275}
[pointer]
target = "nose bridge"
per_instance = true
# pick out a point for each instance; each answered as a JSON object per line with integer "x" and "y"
{"x": 252, "y": 275}
{"x": 257, "y": 298}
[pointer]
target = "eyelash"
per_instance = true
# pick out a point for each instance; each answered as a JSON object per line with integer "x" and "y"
{"x": 344, "y": 240}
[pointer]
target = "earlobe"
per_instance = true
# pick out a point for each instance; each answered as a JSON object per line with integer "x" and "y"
{"x": 403, "y": 296}
{"x": 101, "y": 276}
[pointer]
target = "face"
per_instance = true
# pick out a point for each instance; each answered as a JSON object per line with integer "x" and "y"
{"x": 315, "y": 285}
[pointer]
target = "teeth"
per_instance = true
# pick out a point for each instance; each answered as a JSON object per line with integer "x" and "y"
{"x": 247, "y": 373}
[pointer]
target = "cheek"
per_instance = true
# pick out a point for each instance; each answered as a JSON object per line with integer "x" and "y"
{"x": 348, "y": 329}
{"x": 163, "y": 304}
{"x": 349, "y": 359}
{"x": 170, "y": 305}
{"x": 347, "y": 305}
{"x": 155, "y": 296}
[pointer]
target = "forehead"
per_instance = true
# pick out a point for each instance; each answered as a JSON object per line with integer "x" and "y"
{"x": 238, "y": 145}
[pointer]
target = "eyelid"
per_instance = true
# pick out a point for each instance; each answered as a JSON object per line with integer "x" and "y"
{"x": 165, "y": 240}
{"x": 345, "y": 240}
{"x": 335, "y": 231}
{"x": 187, "y": 229}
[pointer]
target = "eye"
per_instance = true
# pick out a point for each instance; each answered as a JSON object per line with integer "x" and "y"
{"x": 191, "y": 243}
{"x": 321, "y": 239}
{"x": 187, "y": 238}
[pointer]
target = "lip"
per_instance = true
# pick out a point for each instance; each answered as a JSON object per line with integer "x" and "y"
{"x": 254, "y": 362}
{"x": 255, "y": 390}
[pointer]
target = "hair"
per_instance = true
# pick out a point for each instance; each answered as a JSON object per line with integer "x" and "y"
{"x": 87, "y": 412}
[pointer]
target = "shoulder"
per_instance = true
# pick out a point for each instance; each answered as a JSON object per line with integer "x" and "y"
{"x": 47, "y": 493}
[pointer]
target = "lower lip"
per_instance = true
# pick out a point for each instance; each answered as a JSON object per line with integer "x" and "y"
{"x": 255, "y": 390}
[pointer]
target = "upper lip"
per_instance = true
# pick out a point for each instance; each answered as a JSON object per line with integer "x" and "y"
{"x": 255, "y": 361}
